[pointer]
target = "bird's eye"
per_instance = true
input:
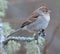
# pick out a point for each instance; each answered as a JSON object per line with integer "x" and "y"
{"x": 45, "y": 10}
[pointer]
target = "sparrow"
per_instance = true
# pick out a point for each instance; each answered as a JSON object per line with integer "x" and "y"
{"x": 38, "y": 21}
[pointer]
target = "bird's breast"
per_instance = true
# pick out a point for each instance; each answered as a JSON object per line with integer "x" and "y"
{"x": 47, "y": 17}
{"x": 41, "y": 22}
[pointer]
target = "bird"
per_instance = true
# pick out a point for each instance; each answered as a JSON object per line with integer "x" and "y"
{"x": 38, "y": 21}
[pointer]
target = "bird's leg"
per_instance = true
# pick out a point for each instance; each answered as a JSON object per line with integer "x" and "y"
{"x": 39, "y": 32}
{"x": 36, "y": 34}
{"x": 43, "y": 33}
{"x": 36, "y": 37}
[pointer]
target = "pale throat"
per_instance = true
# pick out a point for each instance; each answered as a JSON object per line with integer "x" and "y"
{"x": 47, "y": 17}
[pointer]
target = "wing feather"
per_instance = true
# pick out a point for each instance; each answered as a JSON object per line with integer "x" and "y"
{"x": 26, "y": 23}
{"x": 30, "y": 20}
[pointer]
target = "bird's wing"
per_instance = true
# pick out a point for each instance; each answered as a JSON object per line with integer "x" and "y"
{"x": 30, "y": 20}
{"x": 26, "y": 23}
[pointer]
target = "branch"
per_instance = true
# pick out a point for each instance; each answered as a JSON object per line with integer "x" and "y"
{"x": 18, "y": 39}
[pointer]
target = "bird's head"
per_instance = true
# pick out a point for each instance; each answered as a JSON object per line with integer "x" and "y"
{"x": 41, "y": 11}
{"x": 44, "y": 9}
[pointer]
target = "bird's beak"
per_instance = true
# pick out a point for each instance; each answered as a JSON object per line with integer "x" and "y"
{"x": 49, "y": 11}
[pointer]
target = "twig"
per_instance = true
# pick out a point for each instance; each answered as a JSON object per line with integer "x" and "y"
{"x": 18, "y": 39}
